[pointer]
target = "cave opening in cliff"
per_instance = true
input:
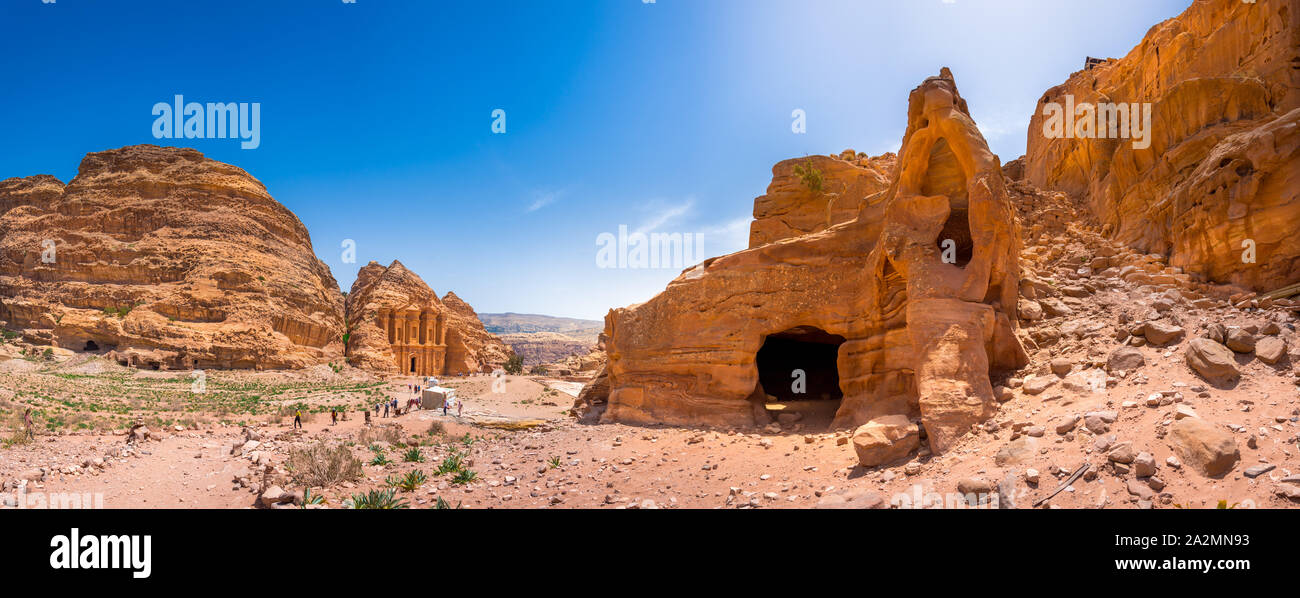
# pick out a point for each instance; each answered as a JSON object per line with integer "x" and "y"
{"x": 944, "y": 176}
{"x": 798, "y": 375}
{"x": 955, "y": 243}
{"x": 91, "y": 346}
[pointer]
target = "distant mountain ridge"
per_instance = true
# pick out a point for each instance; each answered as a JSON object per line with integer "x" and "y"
{"x": 543, "y": 339}
{"x": 512, "y": 323}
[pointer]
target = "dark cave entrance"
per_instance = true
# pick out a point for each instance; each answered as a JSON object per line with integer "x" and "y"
{"x": 798, "y": 376}
{"x": 90, "y": 346}
{"x": 956, "y": 238}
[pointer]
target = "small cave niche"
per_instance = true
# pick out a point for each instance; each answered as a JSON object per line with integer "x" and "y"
{"x": 91, "y": 346}
{"x": 957, "y": 230}
{"x": 798, "y": 375}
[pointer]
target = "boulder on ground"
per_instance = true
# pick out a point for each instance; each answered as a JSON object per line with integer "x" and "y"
{"x": 1038, "y": 384}
{"x": 1216, "y": 332}
{"x": 275, "y": 495}
{"x": 1212, "y": 361}
{"x": 853, "y": 498}
{"x": 884, "y": 439}
{"x": 1240, "y": 341}
{"x": 1270, "y": 349}
{"x": 1209, "y": 449}
{"x": 1125, "y": 359}
{"x": 1160, "y": 332}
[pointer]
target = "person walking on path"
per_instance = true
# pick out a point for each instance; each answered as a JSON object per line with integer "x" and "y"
{"x": 27, "y": 422}
{"x": 334, "y": 417}
{"x": 297, "y": 418}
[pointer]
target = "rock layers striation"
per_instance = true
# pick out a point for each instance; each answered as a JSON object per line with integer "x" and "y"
{"x": 1216, "y": 186}
{"x": 168, "y": 260}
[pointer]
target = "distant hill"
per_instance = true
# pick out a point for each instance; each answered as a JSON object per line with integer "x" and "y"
{"x": 509, "y": 323}
{"x": 543, "y": 339}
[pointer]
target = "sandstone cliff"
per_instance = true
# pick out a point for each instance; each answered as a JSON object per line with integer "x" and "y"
{"x": 437, "y": 336}
{"x": 1222, "y": 171}
{"x": 470, "y": 347}
{"x": 168, "y": 259}
{"x": 794, "y": 205}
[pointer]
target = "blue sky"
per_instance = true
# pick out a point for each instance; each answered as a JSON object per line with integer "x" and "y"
{"x": 376, "y": 116}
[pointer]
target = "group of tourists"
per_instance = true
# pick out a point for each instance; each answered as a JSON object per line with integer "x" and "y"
{"x": 390, "y": 408}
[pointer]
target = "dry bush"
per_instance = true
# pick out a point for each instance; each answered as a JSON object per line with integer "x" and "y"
{"x": 323, "y": 464}
{"x": 18, "y": 432}
{"x": 437, "y": 429}
{"x": 17, "y": 438}
{"x": 390, "y": 434}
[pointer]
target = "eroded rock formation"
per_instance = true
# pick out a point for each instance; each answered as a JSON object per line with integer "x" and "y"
{"x": 397, "y": 324}
{"x": 169, "y": 260}
{"x": 792, "y": 207}
{"x": 1221, "y": 174}
{"x": 909, "y": 303}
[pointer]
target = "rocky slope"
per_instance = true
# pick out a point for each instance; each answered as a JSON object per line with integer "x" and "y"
{"x": 167, "y": 259}
{"x": 545, "y": 347}
{"x": 469, "y": 347}
{"x": 1221, "y": 174}
{"x": 540, "y": 339}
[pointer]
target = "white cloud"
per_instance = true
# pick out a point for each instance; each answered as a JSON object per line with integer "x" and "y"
{"x": 542, "y": 200}
{"x": 666, "y": 215}
{"x": 720, "y": 238}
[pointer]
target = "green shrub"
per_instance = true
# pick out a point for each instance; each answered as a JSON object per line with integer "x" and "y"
{"x": 379, "y": 499}
{"x": 465, "y": 477}
{"x": 452, "y": 463}
{"x": 811, "y": 177}
{"x": 443, "y": 504}
{"x": 409, "y": 482}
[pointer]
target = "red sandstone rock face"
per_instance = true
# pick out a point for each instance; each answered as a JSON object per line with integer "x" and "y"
{"x": 1223, "y": 166}
{"x": 792, "y": 209}
{"x": 199, "y": 266}
{"x": 917, "y": 335}
{"x": 453, "y": 339}
{"x": 471, "y": 348}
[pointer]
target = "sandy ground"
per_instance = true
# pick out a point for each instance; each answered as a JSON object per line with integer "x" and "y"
{"x": 615, "y": 466}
